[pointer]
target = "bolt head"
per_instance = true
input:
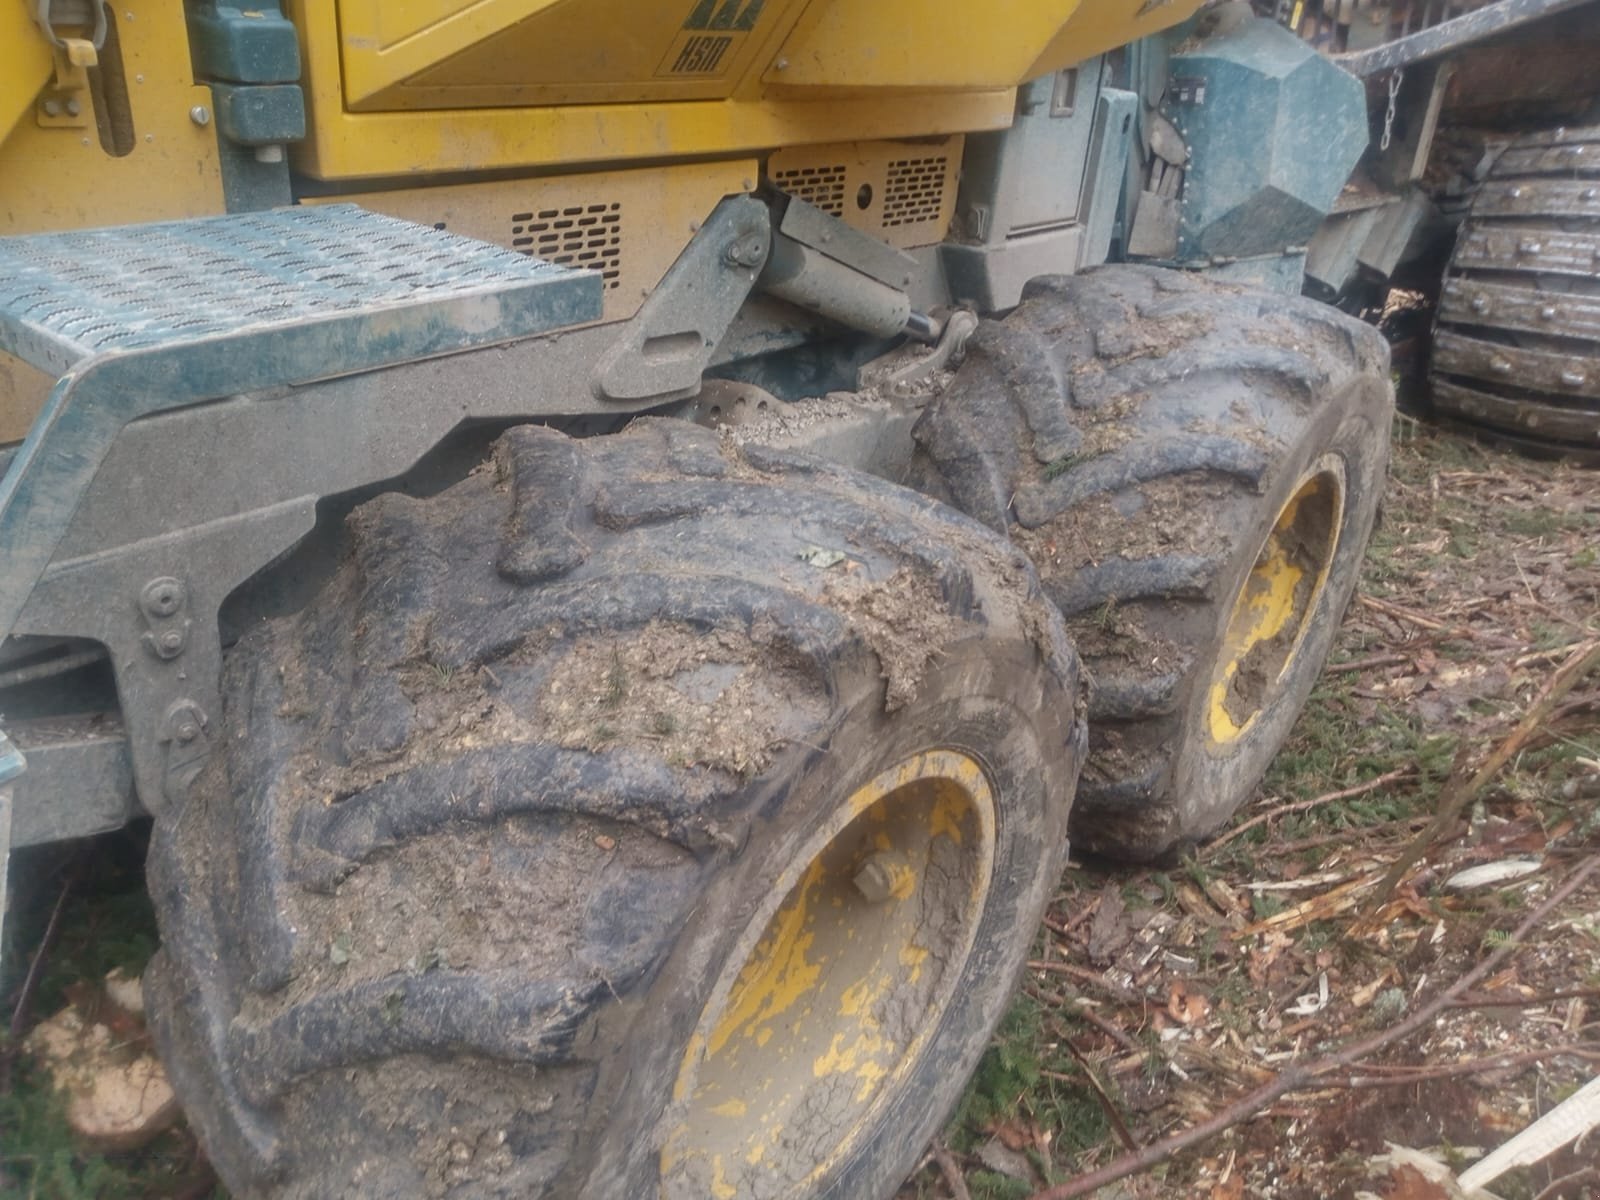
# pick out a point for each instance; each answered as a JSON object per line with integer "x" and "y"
{"x": 1529, "y": 246}
{"x": 200, "y": 115}
{"x": 162, "y": 597}
{"x": 172, "y": 641}
{"x": 188, "y": 731}
{"x": 1500, "y": 366}
{"x": 1548, "y": 312}
{"x": 52, "y": 108}
{"x": 1480, "y": 304}
{"x": 1574, "y": 378}
{"x": 73, "y": 106}
{"x": 1517, "y": 193}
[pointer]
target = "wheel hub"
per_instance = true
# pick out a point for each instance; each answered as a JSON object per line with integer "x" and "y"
{"x": 1271, "y": 614}
{"x": 836, "y": 985}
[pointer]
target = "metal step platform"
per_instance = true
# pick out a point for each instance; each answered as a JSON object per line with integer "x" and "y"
{"x": 139, "y": 319}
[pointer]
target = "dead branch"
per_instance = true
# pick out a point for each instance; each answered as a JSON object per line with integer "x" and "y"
{"x": 30, "y": 984}
{"x": 1360, "y": 789}
{"x": 1297, "y": 1078}
{"x": 1491, "y": 1001}
{"x": 1396, "y": 1076}
{"x": 1558, "y": 1187}
{"x": 1457, "y": 792}
{"x": 953, "y": 1179}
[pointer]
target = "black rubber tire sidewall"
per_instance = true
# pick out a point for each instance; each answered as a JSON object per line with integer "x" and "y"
{"x": 1206, "y": 781}
{"x": 960, "y": 705}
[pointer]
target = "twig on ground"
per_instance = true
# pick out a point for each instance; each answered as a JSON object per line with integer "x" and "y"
{"x": 1360, "y": 789}
{"x": 1458, "y": 792}
{"x": 1558, "y": 1187}
{"x": 1393, "y": 1076}
{"x": 1299, "y": 1078}
{"x": 951, "y": 1172}
{"x": 23, "y": 1008}
{"x": 1107, "y": 1104}
{"x": 1093, "y": 978}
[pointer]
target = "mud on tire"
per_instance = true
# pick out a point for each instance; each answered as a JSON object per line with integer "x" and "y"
{"x": 1516, "y": 347}
{"x": 495, "y": 817}
{"x": 1139, "y": 433}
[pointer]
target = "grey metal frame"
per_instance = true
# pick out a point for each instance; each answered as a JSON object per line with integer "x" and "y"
{"x": 132, "y": 510}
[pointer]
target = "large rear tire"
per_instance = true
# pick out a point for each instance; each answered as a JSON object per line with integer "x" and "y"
{"x": 1516, "y": 347}
{"x": 1194, "y": 469}
{"x": 594, "y": 834}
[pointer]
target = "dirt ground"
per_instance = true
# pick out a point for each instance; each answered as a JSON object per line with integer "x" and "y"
{"x": 1158, "y": 997}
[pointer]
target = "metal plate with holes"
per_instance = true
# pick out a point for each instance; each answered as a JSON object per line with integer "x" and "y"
{"x": 67, "y": 296}
{"x": 1544, "y": 250}
{"x": 1546, "y": 198}
{"x": 1469, "y": 302}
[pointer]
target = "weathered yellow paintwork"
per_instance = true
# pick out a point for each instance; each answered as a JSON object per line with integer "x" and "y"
{"x": 457, "y": 85}
{"x": 24, "y": 66}
{"x": 1275, "y": 599}
{"x": 829, "y": 997}
{"x": 61, "y": 178}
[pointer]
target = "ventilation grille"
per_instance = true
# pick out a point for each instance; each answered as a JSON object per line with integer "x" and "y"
{"x": 914, "y": 190}
{"x": 580, "y": 235}
{"x": 821, "y": 186}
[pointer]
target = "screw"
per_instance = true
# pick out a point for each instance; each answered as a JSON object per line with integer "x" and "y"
{"x": 200, "y": 115}
{"x": 162, "y": 597}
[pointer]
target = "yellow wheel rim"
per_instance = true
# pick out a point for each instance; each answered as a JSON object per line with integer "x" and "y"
{"x": 1271, "y": 615}
{"x": 835, "y": 986}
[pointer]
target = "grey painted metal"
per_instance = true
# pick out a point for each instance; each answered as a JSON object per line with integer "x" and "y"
{"x": 826, "y": 234}
{"x": 143, "y": 319}
{"x": 1538, "y": 198}
{"x": 1552, "y": 371}
{"x": 79, "y": 780}
{"x": 991, "y": 277}
{"x": 1273, "y": 130}
{"x": 1562, "y": 159}
{"x": 1110, "y": 147}
{"x": 822, "y": 284}
{"x": 12, "y": 760}
{"x": 1451, "y": 35}
{"x": 1559, "y": 314}
{"x": 1544, "y": 249}
{"x": 668, "y": 345}
{"x": 1547, "y": 421}
{"x": 170, "y": 701}
{"x": 1030, "y": 176}
{"x": 170, "y": 502}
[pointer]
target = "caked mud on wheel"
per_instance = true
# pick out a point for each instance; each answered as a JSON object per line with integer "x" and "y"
{"x": 1516, "y": 346}
{"x": 1194, "y": 470}
{"x": 597, "y": 834}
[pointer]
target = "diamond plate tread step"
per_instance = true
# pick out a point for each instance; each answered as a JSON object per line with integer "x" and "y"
{"x": 1562, "y": 375}
{"x": 1538, "y": 198}
{"x": 1500, "y": 306}
{"x": 1526, "y": 248}
{"x": 66, "y": 297}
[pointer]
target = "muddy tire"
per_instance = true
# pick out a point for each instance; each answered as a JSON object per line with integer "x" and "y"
{"x": 587, "y": 800}
{"x": 1516, "y": 347}
{"x": 1168, "y": 451}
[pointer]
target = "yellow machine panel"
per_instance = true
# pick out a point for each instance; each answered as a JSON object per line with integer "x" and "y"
{"x": 628, "y": 225}
{"x": 538, "y": 52}
{"x": 56, "y": 170}
{"x": 460, "y": 85}
{"x": 901, "y": 192}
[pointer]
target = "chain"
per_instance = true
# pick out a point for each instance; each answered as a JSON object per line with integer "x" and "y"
{"x": 1388, "y": 113}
